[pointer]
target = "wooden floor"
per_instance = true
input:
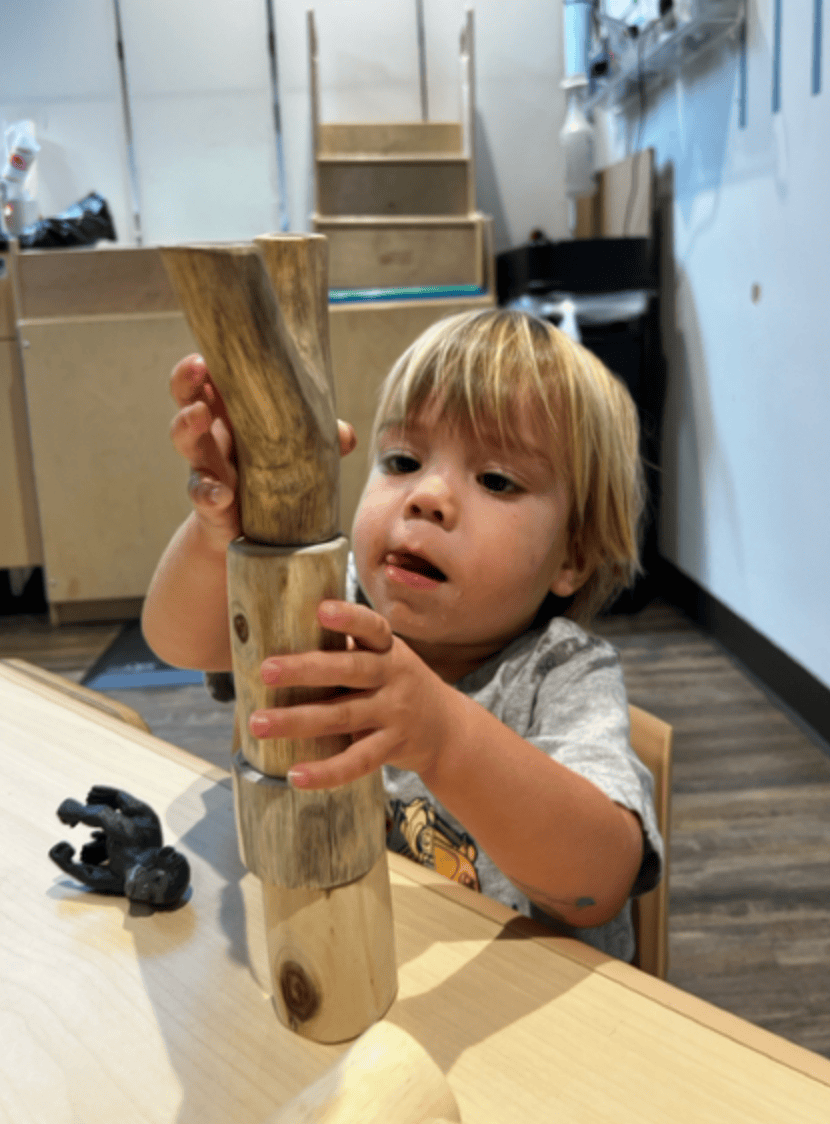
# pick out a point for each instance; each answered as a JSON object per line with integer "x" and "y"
{"x": 750, "y": 844}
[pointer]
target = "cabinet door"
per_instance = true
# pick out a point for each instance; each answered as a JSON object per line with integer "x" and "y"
{"x": 19, "y": 534}
{"x": 110, "y": 488}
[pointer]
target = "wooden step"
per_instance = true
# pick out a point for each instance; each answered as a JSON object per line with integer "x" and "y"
{"x": 386, "y": 139}
{"x": 422, "y": 184}
{"x": 372, "y": 252}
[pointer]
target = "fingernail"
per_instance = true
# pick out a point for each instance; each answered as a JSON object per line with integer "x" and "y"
{"x": 328, "y": 608}
{"x": 218, "y": 493}
{"x": 297, "y": 778}
{"x": 271, "y": 673}
{"x": 258, "y": 726}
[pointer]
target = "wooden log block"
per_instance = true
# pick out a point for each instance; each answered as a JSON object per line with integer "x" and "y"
{"x": 298, "y": 266}
{"x": 322, "y": 857}
{"x": 332, "y": 955}
{"x": 385, "y": 1076}
{"x": 281, "y": 410}
{"x": 273, "y": 594}
{"x": 290, "y": 837}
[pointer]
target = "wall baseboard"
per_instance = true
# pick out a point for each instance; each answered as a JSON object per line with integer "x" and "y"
{"x": 790, "y": 684}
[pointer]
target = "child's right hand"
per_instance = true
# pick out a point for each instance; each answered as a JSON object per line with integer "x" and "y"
{"x": 201, "y": 433}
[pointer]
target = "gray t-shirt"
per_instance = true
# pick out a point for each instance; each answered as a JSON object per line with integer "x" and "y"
{"x": 562, "y": 690}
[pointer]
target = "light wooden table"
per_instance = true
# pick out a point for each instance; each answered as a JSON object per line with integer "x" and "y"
{"x": 109, "y": 1013}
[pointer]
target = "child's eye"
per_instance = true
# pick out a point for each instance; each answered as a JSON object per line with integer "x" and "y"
{"x": 398, "y": 464}
{"x": 498, "y": 482}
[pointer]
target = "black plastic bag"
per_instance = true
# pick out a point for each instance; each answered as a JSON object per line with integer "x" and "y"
{"x": 82, "y": 224}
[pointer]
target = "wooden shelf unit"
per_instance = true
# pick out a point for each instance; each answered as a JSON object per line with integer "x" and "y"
{"x": 397, "y": 200}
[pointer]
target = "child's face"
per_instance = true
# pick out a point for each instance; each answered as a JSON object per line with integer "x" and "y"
{"x": 457, "y": 542}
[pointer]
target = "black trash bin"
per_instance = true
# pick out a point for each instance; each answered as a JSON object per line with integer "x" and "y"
{"x": 605, "y": 291}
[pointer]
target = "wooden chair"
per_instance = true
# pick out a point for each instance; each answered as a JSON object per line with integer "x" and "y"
{"x": 651, "y": 739}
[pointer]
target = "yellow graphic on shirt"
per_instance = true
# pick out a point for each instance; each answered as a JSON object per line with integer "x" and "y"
{"x": 417, "y": 831}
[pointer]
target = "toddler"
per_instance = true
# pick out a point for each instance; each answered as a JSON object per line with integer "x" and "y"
{"x": 500, "y": 513}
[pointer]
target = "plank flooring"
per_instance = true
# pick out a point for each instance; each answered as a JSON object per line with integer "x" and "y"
{"x": 750, "y": 843}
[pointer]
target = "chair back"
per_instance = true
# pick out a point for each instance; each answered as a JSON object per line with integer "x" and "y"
{"x": 651, "y": 740}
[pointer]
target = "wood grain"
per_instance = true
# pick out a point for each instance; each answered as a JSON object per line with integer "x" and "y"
{"x": 332, "y": 955}
{"x": 383, "y": 138}
{"x": 317, "y": 840}
{"x": 274, "y": 593}
{"x": 298, "y": 267}
{"x": 375, "y": 252}
{"x": 110, "y": 488}
{"x": 393, "y": 185}
{"x": 281, "y": 409}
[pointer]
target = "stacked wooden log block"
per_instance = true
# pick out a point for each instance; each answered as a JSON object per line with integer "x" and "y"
{"x": 259, "y": 313}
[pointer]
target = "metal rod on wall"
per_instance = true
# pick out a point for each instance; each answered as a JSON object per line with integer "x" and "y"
{"x": 285, "y": 222}
{"x": 815, "y": 85}
{"x": 135, "y": 194}
{"x": 422, "y": 58}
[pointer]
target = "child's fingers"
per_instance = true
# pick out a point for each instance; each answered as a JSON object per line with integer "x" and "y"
{"x": 361, "y": 758}
{"x": 209, "y": 495}
{"x": 188, "y": 379}
{"x": 357, "y": 670}
{"x": 189, "y": 424}
{"x": 368, "y": 629}
{"x": 203, "y": 442}
{"x": 347, "y": 436}
{"x": 345, "y": 714}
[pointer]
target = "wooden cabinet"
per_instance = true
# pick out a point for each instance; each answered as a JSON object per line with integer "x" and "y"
{"x": 96, "y": 488}
{"x": 20, "y": 544}
{"x": 100, "y": 332}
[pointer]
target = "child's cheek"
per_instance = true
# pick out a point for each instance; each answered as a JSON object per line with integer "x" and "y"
{"x": 365, "y": 539}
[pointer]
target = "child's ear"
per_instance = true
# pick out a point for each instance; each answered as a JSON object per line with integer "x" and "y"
{"x": 573, "y": 574}
{"x": 568, "y": 581}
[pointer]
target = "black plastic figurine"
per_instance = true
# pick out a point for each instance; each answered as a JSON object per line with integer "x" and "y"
{"x": 126, "y": 856}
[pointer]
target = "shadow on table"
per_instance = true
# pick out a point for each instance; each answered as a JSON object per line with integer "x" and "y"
{"x": 469, "y": 986}
{"x": 455, "y": 991}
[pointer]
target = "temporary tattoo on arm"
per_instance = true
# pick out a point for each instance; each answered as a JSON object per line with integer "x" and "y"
{"x": 553, "y": 906}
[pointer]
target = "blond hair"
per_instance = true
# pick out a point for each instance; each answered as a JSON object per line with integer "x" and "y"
{"x": 483, "y": 366}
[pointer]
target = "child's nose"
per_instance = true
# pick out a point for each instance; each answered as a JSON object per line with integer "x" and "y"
{"x": 432, "y": 498}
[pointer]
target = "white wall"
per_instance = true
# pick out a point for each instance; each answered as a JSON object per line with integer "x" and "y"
{"x": 746, "y": 460}
{"x": 58, "y": 67}
{"x": 201, "y": 105}
{"x": 204, "y": 143}
{"x": 747, "y": 468}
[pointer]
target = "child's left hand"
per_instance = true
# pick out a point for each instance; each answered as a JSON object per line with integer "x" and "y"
{"x": 397, "y": 710}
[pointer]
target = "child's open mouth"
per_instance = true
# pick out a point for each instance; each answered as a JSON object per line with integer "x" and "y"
{"x": 412, "y": 569}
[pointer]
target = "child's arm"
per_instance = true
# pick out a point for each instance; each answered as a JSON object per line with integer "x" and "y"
{"x": 563, "y": 842}
{"x": 185, "y": 616}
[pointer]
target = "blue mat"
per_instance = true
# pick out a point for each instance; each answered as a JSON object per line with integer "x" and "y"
{"x": 128, "y": 662}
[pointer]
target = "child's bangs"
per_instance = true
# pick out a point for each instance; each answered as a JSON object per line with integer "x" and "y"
{"x": 484, "y": 371}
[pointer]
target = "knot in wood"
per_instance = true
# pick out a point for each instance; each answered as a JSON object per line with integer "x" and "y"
{"x": 298, "y": 992}
{"x": 240, "y": 625}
